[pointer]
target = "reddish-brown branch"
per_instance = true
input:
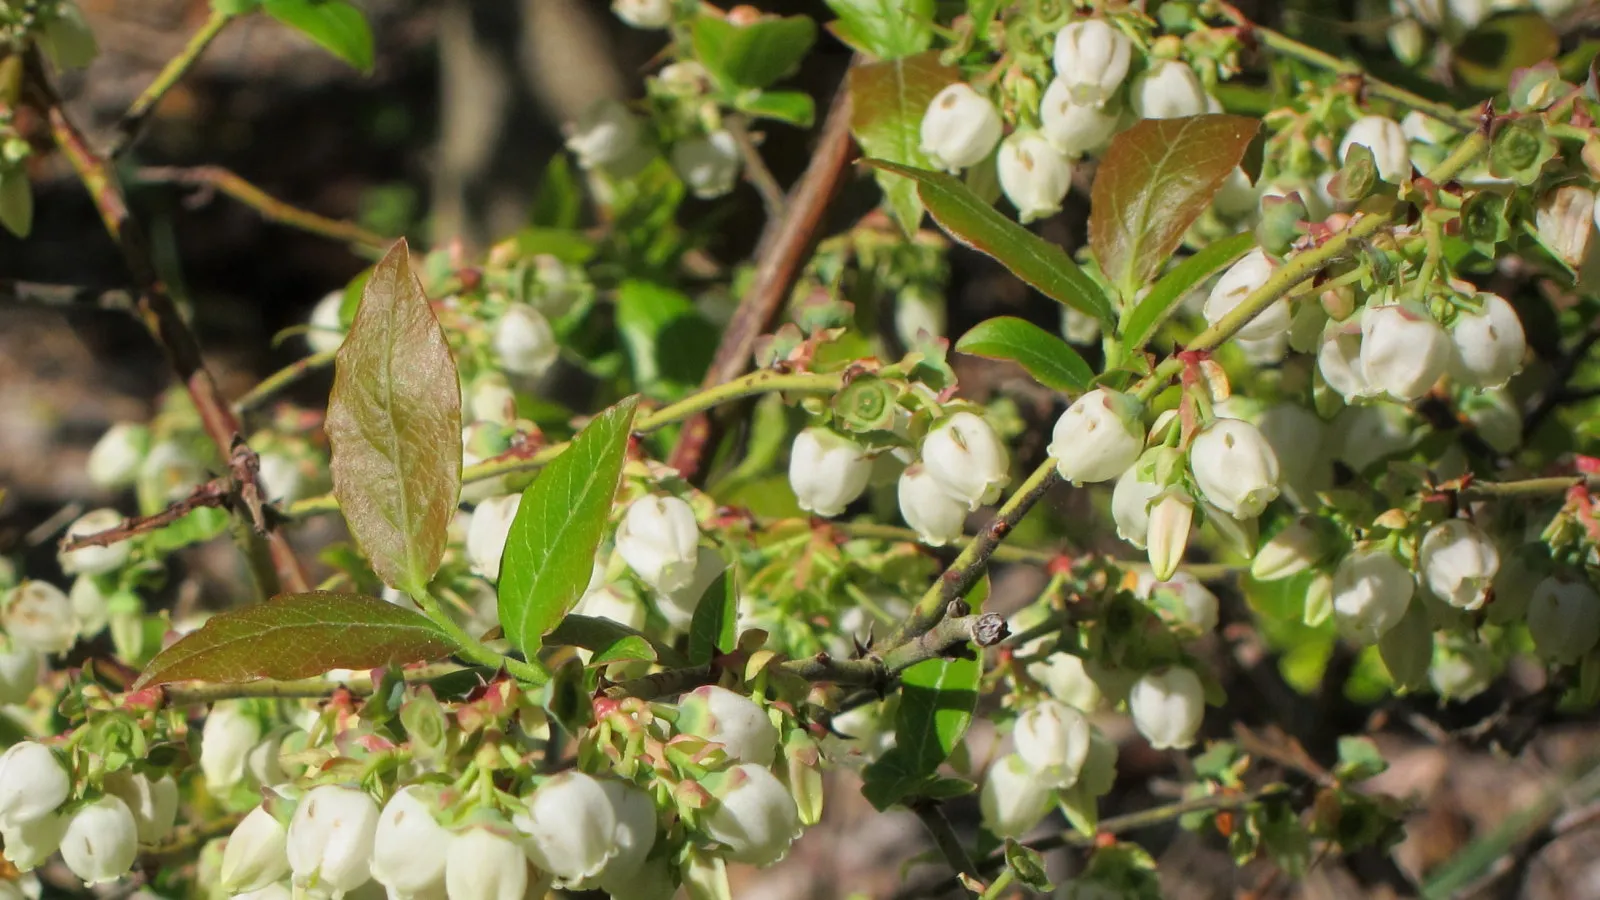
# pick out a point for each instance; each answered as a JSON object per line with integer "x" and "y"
{"x": 218, "y": 493}
{"x": 781, "y": 255}
{"x": 158, "y": 312}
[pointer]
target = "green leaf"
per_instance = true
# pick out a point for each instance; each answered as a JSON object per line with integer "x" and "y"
{"x": 16, "y": 200}
{"x": 549, "y": 554}
{"x": 1486, "y": 58}
{"x": 887, "y": 101}
{"x": 610, "y": 641}
{"x": 887, "y": 29}
{"x": 1164, "y": 298}
{"x": 564, "y": 244}
{"x": 1153, "y": 182}
{"x": 1359, "y": 759}
{"x": 299, "y": 636}
{"x": 559, "y": 201}
{"x": 1046, "y": 357}
{"x": 795, "y": 107}
{"x": 937, "y": 697}
{"x": 713, "y": 628}
{"x": 339, "y": 27}
{"x": 752, "y": 55}
{"x": 394, "y": 425}
{"x": 982, "y": 227}
{"x": 669, "y": 343}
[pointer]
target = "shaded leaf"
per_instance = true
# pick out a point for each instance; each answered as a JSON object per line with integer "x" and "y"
{"x": 299, "y": 636}
{"x": 980, "y": 226}
{"x": 713, "y": 628}
{"x": 549, "y": 553}
{"x": 669, "y": 343}
{"x": 610, "y": 641}
{"x": 338, "y": 27}
{"x": 1486, "y": 57}
{"x": 559, "y": 200}
{"x": 752, "y": 55}
{"x": 1153, "y": 182}
{"x": 887, "y": 29}
{"x": 937, "y": 697}
{"x": 887, "y": 101}
{"x": 1046, "y": 357}
{"x": 794, "y": 107}
{"x": 394, "y": 424}
{"x": 1167, "y": 293}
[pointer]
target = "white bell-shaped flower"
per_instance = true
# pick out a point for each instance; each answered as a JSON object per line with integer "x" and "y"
{"x": 30, "y": 843}
{"x": 1403, "y": 350}
{"x": 967, "y": 459}
{"x": 1383, "y": 137}
{"x": 1461, "y": 668}
{"x": 486, "y": 536}
{"x": 1181, "y": 599}
{"x": 1565, "y": 222}
{"x": 754, "y": 815}
{"x": 152, "y": 801}
{"x": 960, "y": 127}
{"x": 1459, "y": 563}
{"x": 225, "y": 743}
{"x": 33, "y": 782}
{"x": 1092, "y": 58}
{"x": 94, "y": 560}
{"x": 937, "y": 517}
{"x": 483, "y": 864}
{"x": 38, "y": 616}
{"x": 605, "y": 135}
{"x": 524, "y": 342}
{"x": 1169, "y": 89}
{"x": 1013, "y": 799}
{"x": 1098, "y": 437}
{"x": 649, "y": 15}
{"x": 1075, "y": 128}
{"x": 1053, "y": 739}
{"x": 1234, "y": 467}
{"x": 1371, "y": 590}
{"x": 325, "y": 331}
{"x": 1563, "y": 620}
{"x": 115, "y": 459}
{"x": 827, "y": 471}
{"x": 1130, "y": 504}
{"x": 635, "y": 815}
{"x": 919, "y": 310}
{"x": 330, "y": 840}
{"x": 1167, "y": 707}
{"x": 101, "y": 841}
{"x": 1241, "y": 280}
{"x": 733, "y": 720}
{"x": 709, "y": 165}
{"x": 571, "y": 825}
{"x": 1489, "y": 345}
{"x": 256, "y": 854}
{"x": 1034, "y": 175}
{"x": 659, "y": 539}
{"x": 410, "y": 846}
{"x": 1339, "y": 360}
{"x": 1067, "y": 679}
{"x": 1294, "y": 549}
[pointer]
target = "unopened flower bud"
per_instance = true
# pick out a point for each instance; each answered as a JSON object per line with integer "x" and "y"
{"x": 325, "y": 329}
{"x": 966, "y": 458}
{"x": 1013, "y": 800}
{"x": 1371, "y": 590}
{"x": 38, "y": 616}
{"x": 1488, "y": 345}
{"x": 1241, "y": 280}
{"x": 605, "y": 135}
{"x": 572, "y": 827}
{"x": 1091, "y": 60}
{"x": 1034, "y": 175}
{"x": 32, "y": 782}
{"x": 331, "y": 839}
{"x": 225, "y": 743}
{"x": 1098, "y": 437}
{"x": 1403, "y": 350}
{"x": 115, "y": 460}
{"x": 101, "y": 841}
{"x": 1053, "y": 739}
{"x": 646, "y": 14}
{"x": 1075, "y": 128}
{"x": 1168, "y": 90}
{"x": 659, "y": 539}
{"x": 827, "y": 470}
{"x": 1234, "y": 467}
{"x": 152, "y": 801}
{"x": 937, "y": 517}
{"x": 1387, "y": 142}
{"x": 1171, "y": 515}
{"x": 754, "y": 816}
{"x": 960, "y": 128}
{"x": 735, "y": 721}
{"x": 1459, "y": 563}
{"x": 1167, "y": 707}
{"x": 255, "y": 856}
{"x": 1296, "y": 548}
{"x": 709, "y": 165}
{"x": 1130, "y": 503}
{"x": 524, "y": 341}
{"x": 486, "y": 537}
{"x": 482, "y": 864}
{"x": 1564, "y": 221}
{"x": 1339, "y": 359}
{"x": 1563, "y": 620}
{"x": 94, "y": 560}
{"x": 409, "y": 846}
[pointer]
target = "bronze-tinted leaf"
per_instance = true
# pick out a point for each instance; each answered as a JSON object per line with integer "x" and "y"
{"x": 299, "y": 636}
{"x": 887, "y": 100}
{"x": 394, "y": 422}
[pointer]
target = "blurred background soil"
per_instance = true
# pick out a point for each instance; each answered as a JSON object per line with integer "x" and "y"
{"x": 446, "y": 140}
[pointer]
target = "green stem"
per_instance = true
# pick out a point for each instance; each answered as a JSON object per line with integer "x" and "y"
{"x": 471, "y": 648}
{"x": 1528, "y": 488}
{"x": 133, "y": 120}
{"x": 997, "y": 888}
{"x": 945, "y": 838}
{"x": 281, "y": 379}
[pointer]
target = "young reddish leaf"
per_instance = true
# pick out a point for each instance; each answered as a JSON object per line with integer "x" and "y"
{"x": 1046, "y": 357}
{"x": 298, "y": 636}
{"x": 887, "y": 100}
{"x": 1153, "y": 182}
{"x": 979, "y": 225}
{"x": 549, "y": 554}
{"x": 394, "y": 423}
{"x": 1145, "y": 318}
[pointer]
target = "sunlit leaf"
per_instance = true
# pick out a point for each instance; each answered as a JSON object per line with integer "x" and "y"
{"x": 1153, "y": 182}
{"x": 753, "y": 54}
{"x": 394, "y": 424}
{"x": 338, "y": 27}
{"x": 712, "y": 630}
{"x": 299, "y": 636}
{"x": 1046, "y": 357}
{"x": 1167, "y": 293}
{"x": 887, "y": 29}
{"x": 887, "y": 101}
{"x": 937, "y": 697}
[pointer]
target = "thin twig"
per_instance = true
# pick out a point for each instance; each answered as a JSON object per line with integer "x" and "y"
{"x": 755, "y": 168}
{"x": 271, "y": 208}
{"x": 781, "y": 256}
{"x": 217, "y": 492}
{"x": 277, "y": 381}
{"x": 132, "y": 123}
{"x": 945, "y": 838}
